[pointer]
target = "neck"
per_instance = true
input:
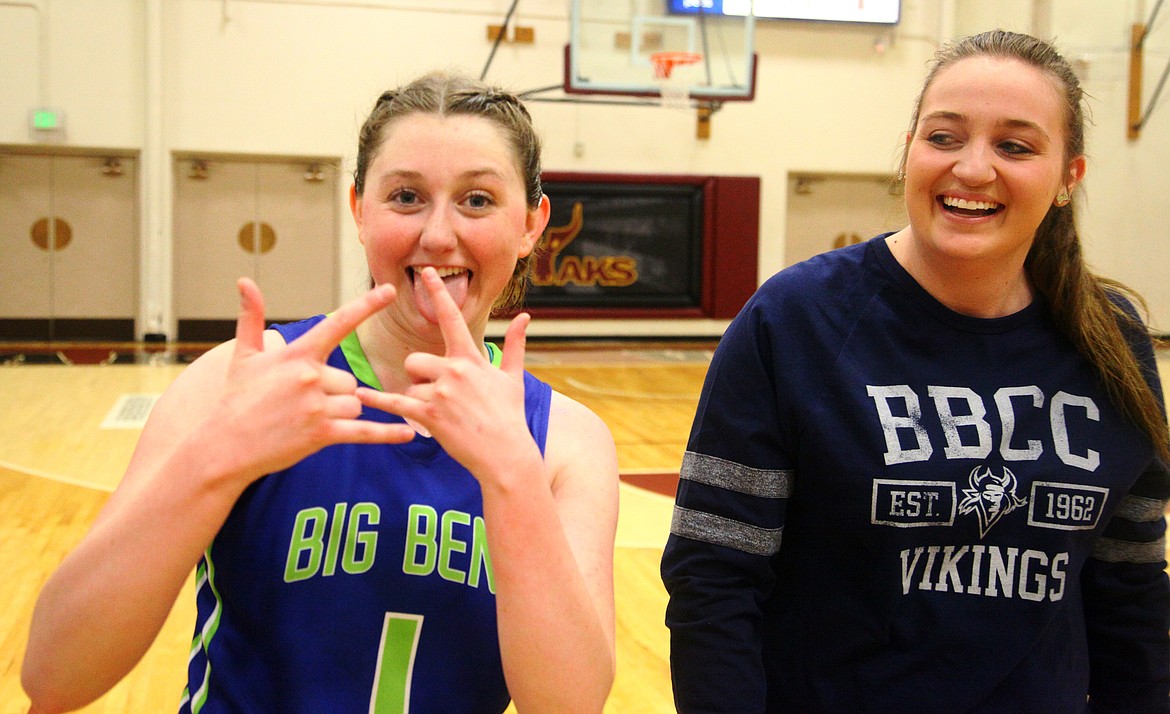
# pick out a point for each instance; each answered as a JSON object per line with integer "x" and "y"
{"x": 386, "y": 351}
{"x": 978, "y": 288}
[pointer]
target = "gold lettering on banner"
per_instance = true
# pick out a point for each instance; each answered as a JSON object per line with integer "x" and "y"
{"x": 605, "y": 270}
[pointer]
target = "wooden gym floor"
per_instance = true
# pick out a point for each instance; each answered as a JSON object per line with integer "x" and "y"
{"x": 67, "y": 429}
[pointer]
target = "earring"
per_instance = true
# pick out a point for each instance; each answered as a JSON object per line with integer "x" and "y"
{"x": 1063, "y": 198}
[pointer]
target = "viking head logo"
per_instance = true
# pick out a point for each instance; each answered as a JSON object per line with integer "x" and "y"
{"x": 990, "y": 496}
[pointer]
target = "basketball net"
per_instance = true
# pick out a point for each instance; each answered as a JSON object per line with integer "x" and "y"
{"x": 672, "y": 88}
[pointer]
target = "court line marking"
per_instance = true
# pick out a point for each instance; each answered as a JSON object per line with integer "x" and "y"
{"x": 16, "y": 468}
{"x": 585, "y": 387}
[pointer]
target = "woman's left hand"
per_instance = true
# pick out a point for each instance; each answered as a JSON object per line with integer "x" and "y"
{"x": 474, "y": 410}
{"x": 550, "y": 519}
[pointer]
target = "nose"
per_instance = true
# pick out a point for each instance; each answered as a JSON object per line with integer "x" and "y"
{"x": 438, "y": 232}
{"x": 974, "y": 164}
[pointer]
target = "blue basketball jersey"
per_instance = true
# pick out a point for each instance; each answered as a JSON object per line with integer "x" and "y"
{"x": 358, "y": 580}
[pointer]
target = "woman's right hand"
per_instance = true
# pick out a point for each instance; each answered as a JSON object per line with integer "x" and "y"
{"x": 281, "y": 402}
{"x": 244, "y": 409}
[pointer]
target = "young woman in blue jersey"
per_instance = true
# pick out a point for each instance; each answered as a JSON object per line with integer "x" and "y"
{"x": 383, "y": 519}
{"x": 927, "y": 472}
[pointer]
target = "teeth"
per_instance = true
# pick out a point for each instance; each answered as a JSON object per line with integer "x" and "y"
{"x": 968, "y": 205}
{"x": 443, "y": 271}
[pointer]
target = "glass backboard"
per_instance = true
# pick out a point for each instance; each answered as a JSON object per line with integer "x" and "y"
{"x": 614, "y": 46}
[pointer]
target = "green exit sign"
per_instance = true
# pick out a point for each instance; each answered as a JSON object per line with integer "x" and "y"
{"x": 47, "y": 120}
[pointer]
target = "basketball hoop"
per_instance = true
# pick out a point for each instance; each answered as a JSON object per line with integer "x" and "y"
{"x": 672, "y": 89}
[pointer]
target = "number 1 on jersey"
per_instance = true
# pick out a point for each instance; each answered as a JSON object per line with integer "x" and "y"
{"x": 400, "y": 633}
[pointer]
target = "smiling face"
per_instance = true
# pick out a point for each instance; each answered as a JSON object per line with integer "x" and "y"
{"x": 447, "y": 192}
{"x": 985, "y": 161}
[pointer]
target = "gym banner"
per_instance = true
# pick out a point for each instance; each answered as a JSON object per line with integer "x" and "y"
{"x": 624, "y": 246}
{"x": 646, "y": 246}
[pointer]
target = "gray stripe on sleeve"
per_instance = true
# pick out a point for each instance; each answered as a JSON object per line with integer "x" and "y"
{"x": 1140, "y": 509}
{"x": 726, "y": 532}
{"x": 713, "y": 471}
{"x": 1112, "y": 550}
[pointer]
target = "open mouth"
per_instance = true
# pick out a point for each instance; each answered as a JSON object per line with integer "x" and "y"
{"x": 445, "y": 272}
{"x": 455, "y": 278}
{"x": 969, "y": 209}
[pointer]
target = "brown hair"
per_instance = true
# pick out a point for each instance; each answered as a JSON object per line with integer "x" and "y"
{"x": 448, "y": 94}
{"x": 1090, "y": 310}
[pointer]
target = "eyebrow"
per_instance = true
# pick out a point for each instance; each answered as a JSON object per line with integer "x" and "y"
{"x": 412, "y": 175}
{"x": 1009, "y": 123}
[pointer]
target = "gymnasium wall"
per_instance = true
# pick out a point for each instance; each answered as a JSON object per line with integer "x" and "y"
{"x": 296, "y": 77}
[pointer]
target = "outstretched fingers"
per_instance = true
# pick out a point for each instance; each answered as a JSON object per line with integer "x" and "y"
{"x": 360, "y": 431}
{"x": 327, "y": 334}
{"x": 250, "y": 322}
{"x": 515, "y": 345}
{"x": 456, "y": 336}
{"x": 295, "y": 388}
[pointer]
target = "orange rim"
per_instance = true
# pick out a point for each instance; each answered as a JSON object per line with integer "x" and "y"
{"x": 664, "y": 62}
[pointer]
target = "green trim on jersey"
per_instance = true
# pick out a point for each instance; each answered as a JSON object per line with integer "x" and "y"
{"x": 356, "y": 357}
{"x": 205, "y": 576}
{"x": 495, "y": 354}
